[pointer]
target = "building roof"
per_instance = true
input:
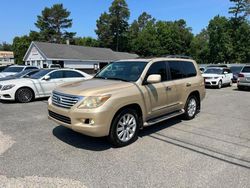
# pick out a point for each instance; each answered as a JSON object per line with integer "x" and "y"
{"x": 73, "y": 52}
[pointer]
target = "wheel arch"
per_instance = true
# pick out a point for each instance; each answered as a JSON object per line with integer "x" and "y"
{"x": 26, "y": 87}
{"x": 196, "y": 93}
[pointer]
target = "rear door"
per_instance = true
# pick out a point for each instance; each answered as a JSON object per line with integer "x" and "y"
{"x": 183, "y": 76}
{"x": 72, "y": 76}
{"x": 246, "y": 72}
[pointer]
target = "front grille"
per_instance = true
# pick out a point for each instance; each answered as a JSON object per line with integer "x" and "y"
{"x": 59, "y": 117}
{"x": 64, "y": 100}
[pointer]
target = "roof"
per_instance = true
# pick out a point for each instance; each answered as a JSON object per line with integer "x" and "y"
{"x": 73, "y": 52}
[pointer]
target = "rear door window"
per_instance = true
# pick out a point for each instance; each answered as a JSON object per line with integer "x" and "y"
{"x": 72, "y": 74}
{"x": 181, "y": 69}
{"x": 246, "y": 69}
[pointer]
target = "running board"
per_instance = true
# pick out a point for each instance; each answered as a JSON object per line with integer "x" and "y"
{"x": 163, "y": 118}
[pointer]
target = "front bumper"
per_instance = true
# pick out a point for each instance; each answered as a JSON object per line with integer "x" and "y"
{"x": 211, "y": 82}
{"x": 81, "y": 120}
{"x": 7, "y": 95}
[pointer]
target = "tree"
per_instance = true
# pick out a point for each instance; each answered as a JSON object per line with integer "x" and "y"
{"x": 220, "y": 41}
{"x": 5, "y": 46}
{"x": 21, "y": 44}
{"x": 240, "y": 10}
{"x": 52, "y": 24}
{"x": 199, "y": 48}
{"x": 112, "y": 27}
{"x": 103, "y": 31}
{"x": 86, "y": 41}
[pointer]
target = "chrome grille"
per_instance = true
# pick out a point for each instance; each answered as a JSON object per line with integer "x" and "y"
{"x": 64, "y": 100}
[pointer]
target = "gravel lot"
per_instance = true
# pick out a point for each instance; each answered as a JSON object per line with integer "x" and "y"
{"x": 213, "y": 150}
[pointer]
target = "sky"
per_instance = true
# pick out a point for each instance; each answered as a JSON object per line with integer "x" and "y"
{"x": 18, "y": 16}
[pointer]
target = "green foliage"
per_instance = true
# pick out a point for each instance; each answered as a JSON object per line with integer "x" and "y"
{"x": 5, "y": 46}
{"x": 86, "y": 41}
{"x": 21, "y": 44}
{"x": 112, "y": 27}
{"x": 220, "y": 42}
{"x": 240, "y": 10}
{"x": 150, "y": 38}
{"x": 52, "y": 24}
{"x": 199, "y": 48}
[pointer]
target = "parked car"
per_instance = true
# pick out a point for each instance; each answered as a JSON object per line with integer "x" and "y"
{"x": 2, "y": 67}
{"x": 202, "y": 69}
{"x": 218, "y": 65}
{"x": 38, "y": 85}
{"x": 23, "y": 74}
{"x": 217, "y": 77}
{"x": 127, "y": 95}
{"x": 244, "y": 78}
{"x": 55, "y": 66}
{"x": 11, "y": 70}
{"x": 236, "y": 70}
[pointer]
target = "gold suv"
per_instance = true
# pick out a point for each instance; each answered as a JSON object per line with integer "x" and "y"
{"x": 128, "y": 95}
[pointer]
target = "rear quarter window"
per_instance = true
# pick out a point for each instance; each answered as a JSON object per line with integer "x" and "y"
{"x": 246, "y": 69}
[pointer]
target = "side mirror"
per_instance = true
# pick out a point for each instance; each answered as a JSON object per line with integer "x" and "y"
{"x": 47, "y": 77}
{"x": 154, "y": 78}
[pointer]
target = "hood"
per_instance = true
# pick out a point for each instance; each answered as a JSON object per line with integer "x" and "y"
{"x": 4, "y": 74}
{"x": 20, "y": 81}
{"x": 211, "y": 75}
{"x": 93, "y": 87}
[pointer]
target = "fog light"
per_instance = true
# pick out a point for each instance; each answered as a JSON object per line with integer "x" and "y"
{"x": 92, "y": 122}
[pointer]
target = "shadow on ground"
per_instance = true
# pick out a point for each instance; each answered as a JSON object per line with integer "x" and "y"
{"x": 99, "y": 144}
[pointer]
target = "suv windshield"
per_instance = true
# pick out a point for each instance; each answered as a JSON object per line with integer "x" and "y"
{"x": 40, "y": 74}
{"x": 213, "y": 71}
{"x": 13, "y": 69}
{"x": 129, "y": 71}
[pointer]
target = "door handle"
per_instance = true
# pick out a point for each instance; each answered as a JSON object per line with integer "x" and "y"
{"x": 188, "y": 84}
{"x": 168, "y": 88}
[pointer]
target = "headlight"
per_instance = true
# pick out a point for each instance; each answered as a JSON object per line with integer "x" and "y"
{"x": 94, "y": 101}
{"x": 6, "y": 87}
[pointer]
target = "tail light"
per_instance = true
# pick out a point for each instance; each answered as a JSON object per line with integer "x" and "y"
{"x": 240, "y": 75}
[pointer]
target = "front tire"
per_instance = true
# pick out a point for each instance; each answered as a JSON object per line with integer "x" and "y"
{"x": 124, "y": 128}
{"x": 191, "y": 108}
{"x": 219, "y": 84}
{"x": 24, "y": 95}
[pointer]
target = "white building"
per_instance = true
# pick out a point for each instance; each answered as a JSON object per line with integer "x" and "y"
{"x": 6, "y": 58}
{"x": 88, "y": 59}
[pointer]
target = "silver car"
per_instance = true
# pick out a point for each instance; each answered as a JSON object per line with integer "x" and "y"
{"x": 244, "y": 78}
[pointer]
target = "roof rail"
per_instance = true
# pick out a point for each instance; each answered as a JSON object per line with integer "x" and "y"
{"x": 179, "y": 56}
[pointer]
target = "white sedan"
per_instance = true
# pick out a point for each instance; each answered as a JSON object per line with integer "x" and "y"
{"x": 12, "y": 70}
{"x": 218, "y": 76}
{"x": 39, "y": 85}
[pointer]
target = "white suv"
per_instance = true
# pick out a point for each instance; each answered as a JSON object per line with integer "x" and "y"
{"x": 217, "y": 77}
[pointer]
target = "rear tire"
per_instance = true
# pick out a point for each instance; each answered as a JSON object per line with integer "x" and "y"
{"x": 191, "y": 108}
{"x": 124, "y": 128}
{"x": 24, "y": 95}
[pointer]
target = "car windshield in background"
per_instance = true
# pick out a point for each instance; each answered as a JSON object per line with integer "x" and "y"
{"x": 213, "y": 71}
{"x": 20, "y": 74}
{"x": 129, "y": 71}
{"x": 235, "y": 69}
{"x": 13, "y": 69}
{"x": 40, "y": 74}
{"x": 246, "y": 69}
